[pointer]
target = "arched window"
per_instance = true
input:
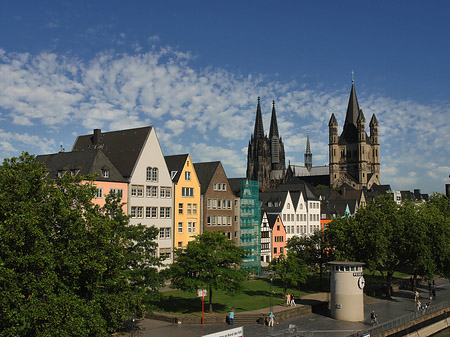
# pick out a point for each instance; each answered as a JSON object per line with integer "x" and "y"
{"x": 155, "y": 174}
{"x": 149, "y": 174}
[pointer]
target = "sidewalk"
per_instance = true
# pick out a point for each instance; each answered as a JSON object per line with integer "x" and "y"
{"x": 401, "y": 303}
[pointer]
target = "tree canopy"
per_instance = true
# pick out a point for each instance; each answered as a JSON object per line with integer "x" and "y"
{"x": 210, "y": 261}
{"x": 388, "y": 237}
{"x": 67, "y": 267}
{"x": 289, "y": 269}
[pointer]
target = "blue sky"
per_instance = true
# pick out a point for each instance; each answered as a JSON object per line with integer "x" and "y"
{"x": 194, "y": 70}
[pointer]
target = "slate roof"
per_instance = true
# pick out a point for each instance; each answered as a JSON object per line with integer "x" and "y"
{"x": 122, "y": 147}
{"x": 275, "y": 197}
{"x": 271, "y": 219}
{"x": 299, "y": 186}
{"x": 235, "y": 184}
{"x": 91, "y": 162}
{"x": 176, "y": 163}
{"x": 205, "y": 172}
{"x": 312, "y": 180}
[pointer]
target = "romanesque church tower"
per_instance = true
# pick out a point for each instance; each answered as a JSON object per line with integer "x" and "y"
{"x": 354, "y": 156}
{"x": 265, "y": 156}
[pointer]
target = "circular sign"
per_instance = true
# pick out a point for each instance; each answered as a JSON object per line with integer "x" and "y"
{"x": 361, "y": 282}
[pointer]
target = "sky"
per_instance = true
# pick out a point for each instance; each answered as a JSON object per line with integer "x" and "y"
{"x": 194, "y": 70}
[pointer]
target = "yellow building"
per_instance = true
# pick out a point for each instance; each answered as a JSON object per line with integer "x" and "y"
{"x": 186, "y": 200}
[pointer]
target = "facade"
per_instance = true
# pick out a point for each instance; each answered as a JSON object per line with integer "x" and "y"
{"x": 265, "y": 156}
{"x": 354, "y": 156}
{"x": 186, "y": 199}
{"x": 278, "y": 235}
{"x": 217, "y": 200}
{"x": 266, "y": 240}
{"x": 137, "y": 154}
{"x": 250, "y": 231}
{"x": 93, "y": 162}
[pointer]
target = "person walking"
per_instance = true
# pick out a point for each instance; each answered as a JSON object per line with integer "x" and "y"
{"x": 416, "y": 296}
{"x": 373, "y": 317}
{"x": 271, "y": 319}
{"x": 231, "y": 317}
{"x": 293, "y": 300}
{"x": 288, "y": 299}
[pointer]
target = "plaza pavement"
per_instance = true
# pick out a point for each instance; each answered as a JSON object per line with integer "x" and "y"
{"x": 319, "y": 325}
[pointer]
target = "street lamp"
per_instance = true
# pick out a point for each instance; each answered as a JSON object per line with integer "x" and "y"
{"x": 271, "y": 292}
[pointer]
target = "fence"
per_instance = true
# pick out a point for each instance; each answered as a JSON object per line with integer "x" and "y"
{"x": 294, "y": 331}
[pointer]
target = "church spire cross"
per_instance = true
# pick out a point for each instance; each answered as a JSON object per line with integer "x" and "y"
{"x": 353, "y": 77}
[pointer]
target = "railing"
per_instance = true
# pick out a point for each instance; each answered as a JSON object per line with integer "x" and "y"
{"x": 295, "y": 331}
{"x": 402, "y": 320}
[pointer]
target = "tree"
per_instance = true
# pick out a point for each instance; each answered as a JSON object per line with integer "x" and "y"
{"x": 67, "y": 266}
{"x": 311, "y": 250}
{"x": 290, "y": 270}
{"x": 210, "y": 261}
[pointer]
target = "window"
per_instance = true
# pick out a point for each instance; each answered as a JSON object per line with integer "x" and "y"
{"x": 180, "y": 244}
{"x": 288, "y": 206}
{"x": 284, "y": 217}
{"x": 229, "y": 220}
{"x": 164, "y": 253}
{"x": 278, "y": 227}
{"x": 133, "y": 212}
{"x": 137, "y": 190}
{"x": 209, "y": 203}
{"x": 215, "y": 187}
{"x": 148, "y": 212}
{"x": 189, "y": 209}
{"x": 140, "y": 211}
{"x": 190, "y": 227}
{"x": 219, "y": 204}
{"x": 194, "y": 208}
{"x": 164, "y": 233}
{"x": 288, "y": 230}
{"x": 154, "y": 212}
{"x": 180, "y": 208}
{"x": 187, "y": 191}
{"x": 116, "y": 191}
{"x": 219, "y": 220}
{"x": 165, "y": 192}
{"x": 275, "y": 250}
{"x": 148, "y": 191}
{"x": 173, "y": 174}
{"x": 99, "y": 193}
{"x": 154, "y": 191}
{"x": 187, "y": 176}
{"x": 281, "y": 250}
{"x": 148, "y": 175}
{"x": 229, "y": 204}
{"x": 224, "y": 187}
{"x": 164, "y": 212}
{"x": 105, "y": 173}
{"x": 154, "y": 174}
{"x": 180, "y": 227}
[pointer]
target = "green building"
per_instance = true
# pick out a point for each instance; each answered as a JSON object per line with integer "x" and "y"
{"x": 251, "y": 225}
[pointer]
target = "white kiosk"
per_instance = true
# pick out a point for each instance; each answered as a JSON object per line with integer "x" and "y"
{"x": 346, "y": 288}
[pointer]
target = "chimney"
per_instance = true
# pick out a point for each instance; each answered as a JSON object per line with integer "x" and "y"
{"x": 96, "y": 137}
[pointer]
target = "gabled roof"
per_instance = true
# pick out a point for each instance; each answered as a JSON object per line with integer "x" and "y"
{"x": 176, "y": 163}
{"x": 271, "y": 219}
{"x": 299, "y": 186}
{"x": 205, "y": 172}
{"x": 92, "y": 162}
{"x": 277, "y": 200}
{"x": 121, "y": 147}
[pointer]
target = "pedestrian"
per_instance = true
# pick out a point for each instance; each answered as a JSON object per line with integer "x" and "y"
{"x": 293, "y": 300}
{"x": 416, "y": 296}
{"x": 418, "y": 305}
{"x": 231, "y": 317}
{"x": 288, "y": 299}
{"x": 271, "y": 318}
{"x": 373, "y": 317}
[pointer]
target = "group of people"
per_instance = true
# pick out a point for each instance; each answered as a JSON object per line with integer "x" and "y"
{"x": 290, "y": 300}
{"x": 431, "y": 295}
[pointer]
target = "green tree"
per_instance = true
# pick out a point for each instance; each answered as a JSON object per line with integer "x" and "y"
{"x": 289, "y": 269}
{"x": 210, "y": 261}
{"x": 311, "y": 250}
{"x": 66, "y": 265}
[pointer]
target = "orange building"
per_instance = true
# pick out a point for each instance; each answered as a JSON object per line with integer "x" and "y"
{"x": 278, "y": 235}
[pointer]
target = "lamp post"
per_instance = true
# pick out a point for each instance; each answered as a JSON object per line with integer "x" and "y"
{"x": 271, "y": 292}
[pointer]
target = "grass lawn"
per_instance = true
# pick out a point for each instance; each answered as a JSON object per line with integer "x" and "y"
{"x": 255, "y": 295}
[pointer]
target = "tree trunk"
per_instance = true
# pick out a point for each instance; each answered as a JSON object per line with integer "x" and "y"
{"x": 389, "y": 284}
{"x": 210, "y": 300}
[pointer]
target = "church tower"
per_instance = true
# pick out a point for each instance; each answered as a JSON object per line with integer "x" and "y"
{"x": 354, "y": 157}
{"x": 308, "y": 154}
{"x": 265, "y": 156}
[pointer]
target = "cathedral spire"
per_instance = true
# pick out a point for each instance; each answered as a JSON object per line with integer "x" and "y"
{"x": 273, "y": 123}
{"x": 351, "y": 118}
{"x": 308, "y": 154}
{"x": 259, "y": 128}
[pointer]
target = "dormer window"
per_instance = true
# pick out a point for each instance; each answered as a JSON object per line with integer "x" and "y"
{"x": 105, "y": 173}
{"x": 173, "y": 174}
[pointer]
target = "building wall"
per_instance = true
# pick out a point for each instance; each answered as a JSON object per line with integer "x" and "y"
{"x": 266, "y": 241}
{"x": 214, "y": 214}
{"x": 278, "y": 239}
{"x": 186, "y": 207}
{"x": 105, "y": 187}
{"x": 142, "y": 203}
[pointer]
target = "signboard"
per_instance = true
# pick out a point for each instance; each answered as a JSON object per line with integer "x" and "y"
{"x": 201, "y": 292}
{"x": 236, "y": 332}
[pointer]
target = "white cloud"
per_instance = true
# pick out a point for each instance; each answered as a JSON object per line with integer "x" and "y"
{"x": 208, "y": 112}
